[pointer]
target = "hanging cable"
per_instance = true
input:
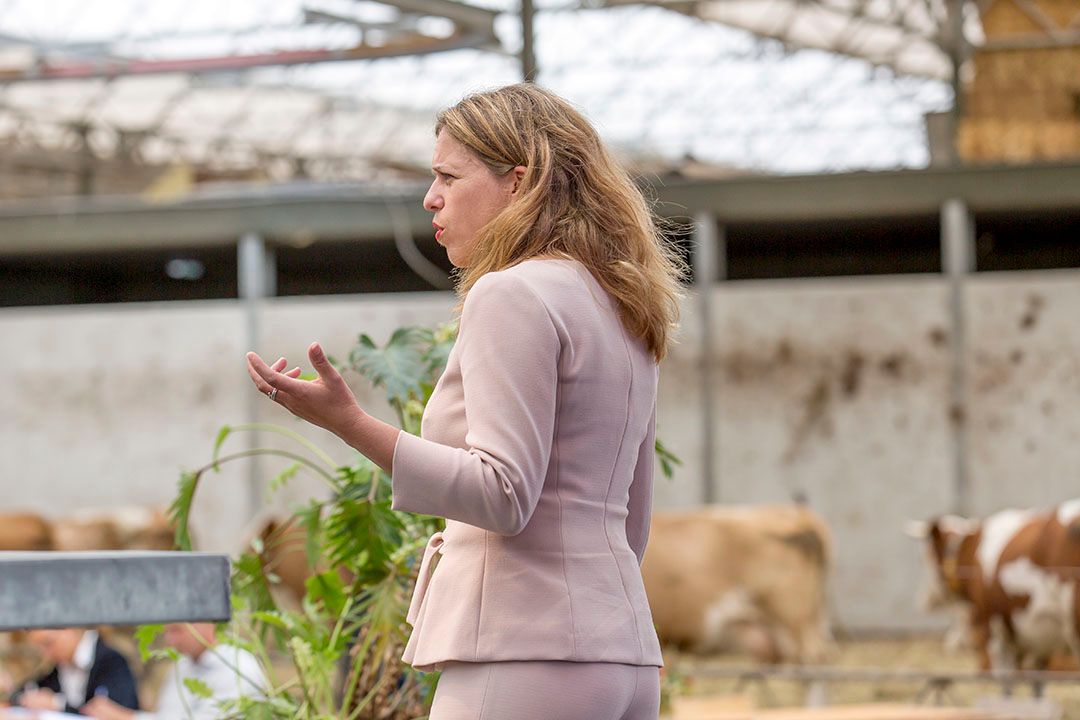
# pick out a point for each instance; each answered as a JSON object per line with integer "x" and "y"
{"x": 409, "y": 252}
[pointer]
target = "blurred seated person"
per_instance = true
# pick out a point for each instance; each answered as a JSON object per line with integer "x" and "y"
{"x": 83, "y": 667}
{"x": 227, "y": 671}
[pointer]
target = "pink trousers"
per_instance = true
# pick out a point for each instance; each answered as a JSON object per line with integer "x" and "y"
{"x": 547, "y": 690}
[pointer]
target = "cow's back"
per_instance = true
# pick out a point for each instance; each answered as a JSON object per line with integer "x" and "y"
{"x": 120, "y": 528}
{"x": 24, "y": 531}
{"x": 710, "y": 569}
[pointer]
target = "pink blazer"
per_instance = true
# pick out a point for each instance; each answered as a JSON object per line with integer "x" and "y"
{"x": 537, "y": 446}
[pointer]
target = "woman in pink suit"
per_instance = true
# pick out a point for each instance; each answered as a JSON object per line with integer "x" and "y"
{"x": 537, "y": 444}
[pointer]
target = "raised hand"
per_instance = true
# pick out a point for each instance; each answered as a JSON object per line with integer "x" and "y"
{"x": 326, "y": 401}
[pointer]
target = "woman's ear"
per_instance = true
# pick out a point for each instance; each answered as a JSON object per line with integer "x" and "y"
{"x": 519, "y": 173}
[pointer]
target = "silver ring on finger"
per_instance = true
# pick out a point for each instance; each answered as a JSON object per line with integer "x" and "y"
{"x": 273, "y": 395}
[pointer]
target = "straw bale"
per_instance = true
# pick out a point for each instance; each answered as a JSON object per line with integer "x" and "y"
{"x": 1012, "y": 140}
{"x": 1021, "y": 103}
{"x": 1061, "y": 12}
{"x": 1058, "y": 140}
{"x": 1033, "y": 68}
{"x": 1006, "y": 18}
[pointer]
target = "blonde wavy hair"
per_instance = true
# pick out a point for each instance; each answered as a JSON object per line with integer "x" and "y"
{"x": 574, "y": 201}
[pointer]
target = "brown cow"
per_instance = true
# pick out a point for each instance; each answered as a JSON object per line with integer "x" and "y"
{"x": 24, "y": 531}
{"x": 125, "y": 528}
{"x": 723, "y": 576}
{"x": 1017, "y": 574}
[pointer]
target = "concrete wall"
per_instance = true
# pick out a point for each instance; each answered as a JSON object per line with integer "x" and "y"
{"x": 1024, "y": 406}
{"x": 835, "y": 390}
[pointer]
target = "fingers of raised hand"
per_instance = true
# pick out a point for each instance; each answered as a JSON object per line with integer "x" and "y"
{"x": 280, "y": 366}
{"x": 268, "y": 378}
{"x": 256, "y": 377}
{"x": 327, "y": 372}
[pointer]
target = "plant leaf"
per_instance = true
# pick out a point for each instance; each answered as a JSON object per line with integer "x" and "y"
{"x": 310, "y": 519}
{"x": 284, "y": 477}
{"x": 328, "y": 589}
{"x": 396, "y": 367}
{"x": 198, "y": 688}
{"x": 145, "y": 635}
{"x": 180, "y": 510}
{"x": 218, "y": 442}
{"x": 667, "y": 459}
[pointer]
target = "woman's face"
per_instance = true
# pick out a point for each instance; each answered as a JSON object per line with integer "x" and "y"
{"x": 465, "y": 196}
{"x": 57, "y": 646}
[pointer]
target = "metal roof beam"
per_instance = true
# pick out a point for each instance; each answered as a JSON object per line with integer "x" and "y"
{"x": 348, "y": 212}
{"x": 76, "y": 225}
{"x": 109, "y": 68}
{"x": 870, "y": 194}
{"x": 465, "y": 15}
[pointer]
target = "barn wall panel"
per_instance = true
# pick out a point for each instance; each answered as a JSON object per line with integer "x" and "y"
{"x": 836, "y": 392}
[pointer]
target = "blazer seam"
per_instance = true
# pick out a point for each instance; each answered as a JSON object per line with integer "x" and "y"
{"x": 555, "y": 459}
{"x": 607, "y": 498}
{"x": 483, "y": 590}
{"x": 562, "y": 526}
{"x": 487, "y": 685}
{"x": 487, "y": 534}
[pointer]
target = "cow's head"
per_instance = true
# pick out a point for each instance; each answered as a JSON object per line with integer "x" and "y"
{"x": 946, "y": 539}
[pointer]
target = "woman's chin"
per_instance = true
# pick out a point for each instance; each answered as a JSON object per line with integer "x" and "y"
{"x": 458, "y": 259}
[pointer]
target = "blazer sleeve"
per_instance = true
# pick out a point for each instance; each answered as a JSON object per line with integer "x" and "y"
{"x": 509, "y": 355}
{"x": 639, "y": 509}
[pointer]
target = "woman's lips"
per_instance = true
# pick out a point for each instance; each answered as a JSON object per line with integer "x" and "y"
{"x": 438, "y": 231}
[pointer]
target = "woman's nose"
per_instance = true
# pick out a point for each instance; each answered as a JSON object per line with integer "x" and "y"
{"x": 432, "y": 200}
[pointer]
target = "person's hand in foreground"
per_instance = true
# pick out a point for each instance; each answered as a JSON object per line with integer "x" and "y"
{"x": 103, "y": 708}
{"x": 327, "y": 402}
{"x": 40, "y": 699}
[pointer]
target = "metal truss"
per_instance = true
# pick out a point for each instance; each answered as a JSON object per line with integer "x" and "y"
{"x": 161, "y": 93}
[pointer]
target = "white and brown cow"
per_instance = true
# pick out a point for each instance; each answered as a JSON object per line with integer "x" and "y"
{"x": 1016, "y": 574}
{"x": 752, "y": 578}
